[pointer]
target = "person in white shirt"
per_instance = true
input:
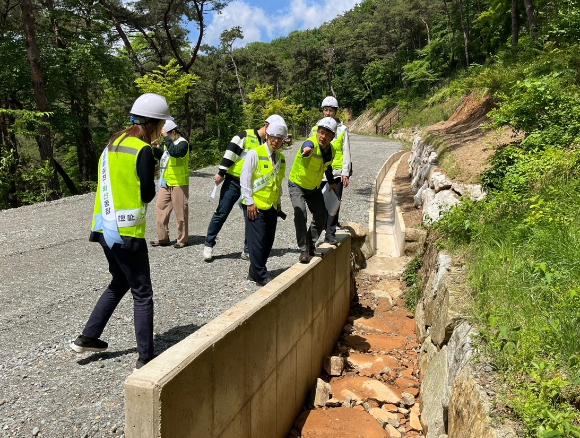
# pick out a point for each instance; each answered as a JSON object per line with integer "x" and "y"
{"x": 261, "y": 186}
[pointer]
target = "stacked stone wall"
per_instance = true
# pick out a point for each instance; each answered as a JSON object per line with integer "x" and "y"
{"x": 455, "y": 402}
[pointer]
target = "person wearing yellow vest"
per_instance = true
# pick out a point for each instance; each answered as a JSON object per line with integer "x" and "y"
{"x": 126, "y": 185}
{"x": 173, "y": 184}
{"x": 261, "y": 184}
{"x": 229, "y": 173}
{"x": 313, "y": 161}
{"x": 341, "y": 165}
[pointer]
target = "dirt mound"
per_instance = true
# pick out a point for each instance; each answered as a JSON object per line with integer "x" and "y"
{"x": 470, "y": 114}
{"x": 467, "y": 142}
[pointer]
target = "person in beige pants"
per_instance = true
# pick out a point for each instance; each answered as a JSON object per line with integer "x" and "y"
{"x": 173, "y": 186}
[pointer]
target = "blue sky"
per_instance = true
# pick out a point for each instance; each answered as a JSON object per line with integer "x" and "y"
{"x": 263, "y": 20}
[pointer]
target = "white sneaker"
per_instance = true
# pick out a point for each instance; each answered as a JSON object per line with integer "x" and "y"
{"x": 245, "y": 255}
{"x": 207, "y": 256}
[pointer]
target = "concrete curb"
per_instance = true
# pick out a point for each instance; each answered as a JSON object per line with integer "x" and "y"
{"x": 391, "y": 219}
{"x": 247, "y": 373}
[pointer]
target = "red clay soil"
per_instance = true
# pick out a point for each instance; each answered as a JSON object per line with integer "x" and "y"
{"x": 467, "y": 137}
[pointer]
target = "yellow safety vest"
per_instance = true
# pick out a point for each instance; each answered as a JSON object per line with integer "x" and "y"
{"x": 336, "y": 145}
{"x": 250, "y": 142}
{"x": 125, "y": 183}
{"x": 307, "y": 172}
{"x": 267, "y": 194}
{"x": 177, "y": 172}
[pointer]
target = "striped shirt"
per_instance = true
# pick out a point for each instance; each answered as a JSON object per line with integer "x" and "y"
{"x": 233, "y": 151}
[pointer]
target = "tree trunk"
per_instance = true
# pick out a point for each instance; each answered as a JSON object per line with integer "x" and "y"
{"x": 237, "y": 76}
{"x": 428, "y": 30}
{"x": 465, "y": 30}
{"x": 33, "y": 53}
{"x": 515, "y": 26}
{"x": 86, "y": 158}
{"x": 217, "y": 113}
{"x": 532, "y": 23}
{"x": 132, "y": 55}
{"x": 8, "y": 144}
{"x": 85, "y": 146}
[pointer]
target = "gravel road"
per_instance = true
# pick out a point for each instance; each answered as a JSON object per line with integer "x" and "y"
{"x": 52, "y": 276}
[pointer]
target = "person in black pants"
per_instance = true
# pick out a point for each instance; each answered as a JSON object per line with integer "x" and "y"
{"x": 126, "y": 185}
{"x": 229, "y": 173}
{"x": 261, "y": 183}
{"x": 313, "y": 160}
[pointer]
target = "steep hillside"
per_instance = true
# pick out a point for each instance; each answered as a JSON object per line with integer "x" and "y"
{"x": 464, "y": 145}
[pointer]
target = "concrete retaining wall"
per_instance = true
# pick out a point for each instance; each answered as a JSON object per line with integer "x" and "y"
{"x": 247, "y": 373}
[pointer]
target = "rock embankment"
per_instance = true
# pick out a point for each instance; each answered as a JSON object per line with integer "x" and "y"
{"x": 436, "y": 193}
{"x": 457, "y": 392}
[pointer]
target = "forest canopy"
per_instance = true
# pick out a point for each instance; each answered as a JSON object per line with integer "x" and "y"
{"x": 69, "y": 71}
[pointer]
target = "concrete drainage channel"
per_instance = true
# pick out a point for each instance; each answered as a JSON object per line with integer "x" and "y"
{"x": 248, "y": 372}
{"x": 370, "y": 384}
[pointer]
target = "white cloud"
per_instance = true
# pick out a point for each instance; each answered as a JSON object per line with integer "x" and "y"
{"x": 257, "y": 25}
{"x": 237, "y": 13}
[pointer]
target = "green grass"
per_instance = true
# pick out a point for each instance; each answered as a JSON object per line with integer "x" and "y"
{"x": 430, "y": 114}
{"x": 524, "y": 260}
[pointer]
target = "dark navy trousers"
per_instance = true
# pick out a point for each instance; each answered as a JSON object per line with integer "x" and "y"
{"x": 260, "y": 235}
{"x": 130, "y": 270}
{"x": 229, "y": 194}
{"x": 332, "y": 221}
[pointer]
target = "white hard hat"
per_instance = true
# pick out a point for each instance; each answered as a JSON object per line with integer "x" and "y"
{"x": 151, "y": 105}
{"x": 169, "y": 125}
{"x": 328, "y": 123}
{"x": 329, "y": 101}
{"x": 277, "y": 130}
{"x": 275, "y": 118}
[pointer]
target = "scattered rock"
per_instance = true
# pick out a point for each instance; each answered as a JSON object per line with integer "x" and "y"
{"x": 407, "y": 399}
{"x": 322, "y": 393}
{"x": 334, "y": 365}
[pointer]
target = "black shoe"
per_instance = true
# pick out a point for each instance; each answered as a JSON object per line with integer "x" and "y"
{"x": 263, "y": 282}
{"x": 304, "y": 257}
{"x": 330, "y": 239}
{"x": 179, "y": 246}
{"x": 83, "y": 344}
{"x": 160, "y": 243}
{"x": 142, "y": 362}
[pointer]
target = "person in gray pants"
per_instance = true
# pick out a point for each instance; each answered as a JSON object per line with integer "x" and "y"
{"x": 313, "y": 160}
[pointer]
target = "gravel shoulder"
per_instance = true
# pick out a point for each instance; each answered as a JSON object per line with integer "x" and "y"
{"x": 52, "y": 276}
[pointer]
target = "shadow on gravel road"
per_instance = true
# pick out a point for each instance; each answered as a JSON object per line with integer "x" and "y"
{"x": 201, "y": 174}
{"x": 106, "y": 355}
{"x": 174, "y": 335}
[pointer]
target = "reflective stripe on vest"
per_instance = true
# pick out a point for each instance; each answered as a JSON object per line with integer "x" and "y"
{"x": 267, "y": 179}
{"x": 250, "y": 142}
{"x": 177, "y": 171}
{"x": 125, "y": 185}
{"x": 307, "y": 172}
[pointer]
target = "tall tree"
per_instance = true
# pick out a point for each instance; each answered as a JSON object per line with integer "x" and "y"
{"x": 227, "y": 39}
{"x": 38, "y": 86}
{"x": 515, "y": 23}
{"x": 531, "y": 14}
